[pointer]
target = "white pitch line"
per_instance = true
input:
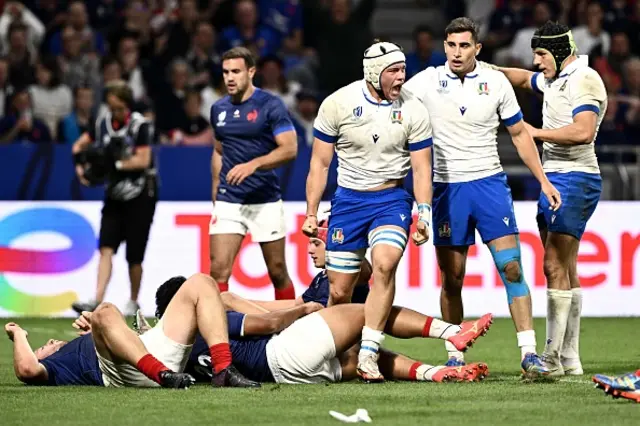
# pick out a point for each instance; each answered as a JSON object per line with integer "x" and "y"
{"x": 542, "y": 380}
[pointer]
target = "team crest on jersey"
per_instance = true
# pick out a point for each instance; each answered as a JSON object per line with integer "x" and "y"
{"x": 252, "y": 116}
{"x": 483, "y": 88}
{"x": 337, "y": 236}
{"x": 444, "y": 230}
{"x": 357, "y": 112}
{"x": 221, "y": 118}
{"x": 396, "y": 116}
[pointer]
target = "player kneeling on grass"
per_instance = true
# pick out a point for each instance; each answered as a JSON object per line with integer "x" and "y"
{"x": 626, "y": 386}
{"x": 319, "y": 288}
{"x": 113, "y": 355}
{"x": 308, "y": 344}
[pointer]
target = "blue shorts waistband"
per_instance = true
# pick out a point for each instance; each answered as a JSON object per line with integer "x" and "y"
{"x": 367, "y": 194}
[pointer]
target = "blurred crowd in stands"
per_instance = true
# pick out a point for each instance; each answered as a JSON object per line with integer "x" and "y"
{"x": 56, "y": 57}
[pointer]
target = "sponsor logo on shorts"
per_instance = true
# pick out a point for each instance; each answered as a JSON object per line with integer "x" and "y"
{"x": 505, "y": 220}
{"x": 337, "y": 236}
{"x": 553, "y": 218}
{"x": 444, "y": 230}
{"x": 214, "y": 219}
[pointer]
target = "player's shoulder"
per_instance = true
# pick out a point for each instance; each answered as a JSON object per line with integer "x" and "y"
{"x": 489, "y": 76}
{"x": 587, "y": 73}
{"x": 262, "y": 97}
{"x": 411, "y": 102}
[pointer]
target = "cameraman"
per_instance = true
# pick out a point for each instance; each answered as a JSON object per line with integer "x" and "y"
{"x": 117, "y": 151}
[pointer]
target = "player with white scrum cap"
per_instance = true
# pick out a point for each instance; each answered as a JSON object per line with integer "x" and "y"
{"x": 379, "y": 133}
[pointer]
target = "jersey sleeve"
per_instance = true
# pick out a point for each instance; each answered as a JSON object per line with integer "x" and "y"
{"x": 326, "y": 126}
{"x": 235, "y": 324}
{"x": 279, "y": 118}
{"x": 509, "y": 109}
{"x": 420, "y": 132}
{"x": 586, "y": 93}
{"x": 537, "y": 82}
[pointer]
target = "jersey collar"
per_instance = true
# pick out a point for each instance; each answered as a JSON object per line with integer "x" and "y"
{"x": 451, "y": 75}
{"x": 370, "y": 99}
{"x": 581, "y": 61}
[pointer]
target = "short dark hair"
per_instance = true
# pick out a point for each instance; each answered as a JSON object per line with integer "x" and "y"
{"x": 240, "y": 53}
{"x": 121, "y": 90}
{"x": 462, "y": 25}
{"x": 551, "y": 28}
{"x": 165, "y": 293}
{"x": 51, "y": 64}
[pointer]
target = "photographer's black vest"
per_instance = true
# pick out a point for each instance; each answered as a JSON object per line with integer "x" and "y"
{"x": 125, "y": 185}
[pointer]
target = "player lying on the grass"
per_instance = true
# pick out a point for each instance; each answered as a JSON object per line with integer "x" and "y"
{"x": 626, "y": 386}
{"x": 299, "y": 345}
{"x": 114, "y": 355}
{"x": 318, "y": 290}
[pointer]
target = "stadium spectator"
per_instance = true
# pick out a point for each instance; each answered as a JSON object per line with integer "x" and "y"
{"x": 248, "y": 32}
{"x": 51, "y": 99}
{"x": 588, "y": 37}
{"x": 304, "y": 114}
{"x": 610, "y": 67}
{"x": 78, "y": 69}
{"x": 616, "y": 16}
{"x": 129, "y": 56}
{"x": 6, "y": 89}
{"x": 519, "y": 52}
{"x": 272, "y": 79}
{"x": 92, "y": 41}
{"x": 136, "y": 23}
{"x": 202, "y": 57}
{"x": 20, "y": 125}
{"x": 503, "y": 24}
{"x": 343, "y": 33}
{"x": 78, "y": 122}
{"x": 169, "y": 102}
{"x": 21, "y": 59}
{"x": 285, "y": 18}
{"x": 16, "y": 12}
{"x": 195, "y": 130}
{"x": 424, "y": 55}
{"x": 181, "y": 31}
{"x": 103, "y": 13}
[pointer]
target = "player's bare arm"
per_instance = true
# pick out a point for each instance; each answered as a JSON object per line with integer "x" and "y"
{"x": 286, "y": 151}
{"x": 274, "y": 322}
{"x": 25, "y": 362}
{"x": 321, "y": 157}
{"x": 581, "y": 132}
{"x": 517, "y": 77}
{"x": 216, "y": 166}
{"x": 423, "y": 191}
{"x": 528, "y": 152}
{"x": 141, "y": 158}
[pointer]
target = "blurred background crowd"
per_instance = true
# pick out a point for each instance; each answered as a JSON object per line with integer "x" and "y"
{"x": 56, "y": 56}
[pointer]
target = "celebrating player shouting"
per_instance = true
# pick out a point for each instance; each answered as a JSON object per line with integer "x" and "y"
{"x": 378, "y": 133}
{"x": 470, "y": 192}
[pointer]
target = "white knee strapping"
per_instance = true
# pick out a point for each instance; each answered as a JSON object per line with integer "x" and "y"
{"x": 389, "y": 236}
{"x": 346, "y": 262}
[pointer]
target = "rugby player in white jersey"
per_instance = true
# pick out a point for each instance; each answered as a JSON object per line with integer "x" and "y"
{"x": 575, "y": 102}
{"x": 379, "y": 132}
{"x": 466, "y": 104}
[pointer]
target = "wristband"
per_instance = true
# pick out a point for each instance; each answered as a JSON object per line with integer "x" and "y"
{"x": 424, "y": 213}
{"x": 118, "y": 165}
{"x": 78, "y": 158}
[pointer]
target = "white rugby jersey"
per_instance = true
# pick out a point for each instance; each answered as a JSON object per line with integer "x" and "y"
{"x": 578, "y": 88}
{"x": 372, "y": 140}
{"x": 465, "y": 117}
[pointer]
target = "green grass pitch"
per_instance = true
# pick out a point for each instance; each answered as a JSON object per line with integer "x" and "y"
{"x": 607, "y": 346}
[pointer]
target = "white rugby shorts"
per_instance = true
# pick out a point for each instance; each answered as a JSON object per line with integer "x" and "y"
{"x": 265, "y": 222}
{"x": 172, "y": 354}
{"x": 304, "y": 353}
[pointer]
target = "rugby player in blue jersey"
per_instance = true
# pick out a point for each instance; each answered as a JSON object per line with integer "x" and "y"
{"x": 114, "y": 355}
{"x": 253, "y": 136}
